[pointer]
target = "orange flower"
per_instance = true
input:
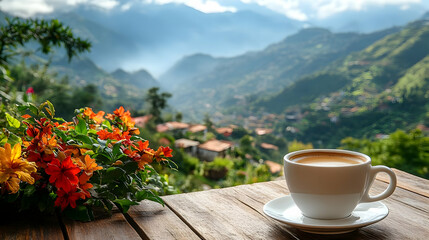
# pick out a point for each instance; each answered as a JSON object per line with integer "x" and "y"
{"x": 14, "y": 169}
{"x": 119, "y": 112}
{"x": 103, "y": 134}
{"x": 162, "y": 152}
{"x": 135, "y": 131}
{"x": 88, "y": 165}
{"x": 84, "y": 187}
{"x": 124, "y": 116}
{"x": 98, "y": 118}
{"x": 145, "y": 159}
{"x": 142, "y": 145}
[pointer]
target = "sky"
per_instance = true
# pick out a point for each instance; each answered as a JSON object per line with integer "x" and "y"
{"x": 301, "y": 10}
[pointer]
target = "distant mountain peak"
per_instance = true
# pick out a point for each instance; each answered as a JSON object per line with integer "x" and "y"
{"x": 425, "y": 16}
{"x": 119, "y": 71}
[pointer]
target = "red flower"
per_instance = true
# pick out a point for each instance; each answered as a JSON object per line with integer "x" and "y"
{"x": 66, "y": 198}
{"x": 30, "y": 90}
{"x": 63, "y": 174}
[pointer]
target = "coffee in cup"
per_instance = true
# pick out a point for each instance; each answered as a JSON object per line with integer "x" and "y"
{"x": 329, "y": 183}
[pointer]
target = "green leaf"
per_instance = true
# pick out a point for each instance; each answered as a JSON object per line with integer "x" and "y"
{"x": 23, "y": 108}
{"x": 125, "y": 204}
{"x": 149, "y": 195}
{"x": 29, "y": 190}
{"x": 60, "y": 119}
{"x": 3, "y": 139}
{"x": 61, "y": 134}
{"x": 51, "y": 108}
{"x": 107, "y": 124}
{"x": 13, "y": 139}
{"x": 85, "y": 139}
{"x": 33, "y": 109}
{"x": 117, "y": 149}
{"x": 130, "y": 167}
{"x": 80, "y": 213}
{"x": 112, "y": 174}
{"x": 81, "y": 127}
{"x": 13, "y": 122}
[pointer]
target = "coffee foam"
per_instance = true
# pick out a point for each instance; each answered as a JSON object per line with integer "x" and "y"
{"x": 328, "y": 159}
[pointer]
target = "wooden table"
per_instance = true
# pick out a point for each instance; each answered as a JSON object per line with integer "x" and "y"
{"x": 230, "y": 213}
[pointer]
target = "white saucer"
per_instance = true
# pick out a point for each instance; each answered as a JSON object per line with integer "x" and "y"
{"x": 283, "y": 209}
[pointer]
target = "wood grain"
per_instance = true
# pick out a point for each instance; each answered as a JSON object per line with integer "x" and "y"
{"x": 236, "y": 213}
{"x": 25, "y": 226}
{"x": 221, "y": 214}
{"x": 409, "y": 182}
{"x": 407, "y": 219}
{"x": 153, "y": 221}
{"x": 229, "y": 213}
{"x": 106, "y": 227}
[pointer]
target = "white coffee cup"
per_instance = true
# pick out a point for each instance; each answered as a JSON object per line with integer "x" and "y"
{"x": 329, "y": 183}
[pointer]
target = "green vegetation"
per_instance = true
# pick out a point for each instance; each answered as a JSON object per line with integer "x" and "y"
{"x": 21, "y": 83}
{"x": 405, "y": 151}
{"x": 157, "y": 102}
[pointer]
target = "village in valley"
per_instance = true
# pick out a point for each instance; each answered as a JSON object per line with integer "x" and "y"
{"x": 224, "y": 156}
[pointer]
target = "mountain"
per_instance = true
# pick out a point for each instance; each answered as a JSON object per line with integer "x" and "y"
{"x": 188, "y": 68}
{"x": 377, "y": 90}
{"x": 425, "y": 16}
{"x": 230, "y": 80}
{"x": 115, "y": 89}
{"x": 140, "y": 79}
{"x": 154, "y": 37}
{"x": 108, "y": 46}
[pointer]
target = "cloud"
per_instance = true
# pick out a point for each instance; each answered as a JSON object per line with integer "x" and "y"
{"x": 29, "y": 8}
{"x": 304, "y": 9}
{"x": 26, "y": 8}
{"x": 206, "y": 6}
{"x": 301, "y": 10}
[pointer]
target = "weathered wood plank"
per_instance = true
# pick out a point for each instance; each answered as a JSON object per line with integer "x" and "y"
{"x": 19, "y": 226}
{"x": 218, "y": 214}
{"x": 237, "y": 213}
{"x": 409, "y": 182}
{"x": 103, "y": 227}
{"x": 407, "y": 219}
{"x": 153, "y": 221}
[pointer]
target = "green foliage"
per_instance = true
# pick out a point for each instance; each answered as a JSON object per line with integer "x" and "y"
{"x": 247, "y": 146}
{"x": 47, "y": 86}
{"x": 48, "y": 34}
{"x": 157, "y": 102}
{"x": 104, "y": 165}
{"x": 304, "y": 91}
{"x": 219, "y": 164}
{"x": 296, "y": 146}
{"x": 406, "y": 151}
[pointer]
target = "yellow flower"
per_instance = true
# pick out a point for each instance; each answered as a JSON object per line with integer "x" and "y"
{"x": 13, "y": 168}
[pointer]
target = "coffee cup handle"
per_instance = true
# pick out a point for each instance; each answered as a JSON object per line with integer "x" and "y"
{"x": 389, "y": 190}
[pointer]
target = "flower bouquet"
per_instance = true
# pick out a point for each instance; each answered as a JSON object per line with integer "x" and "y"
{"x": 96, "y": 161}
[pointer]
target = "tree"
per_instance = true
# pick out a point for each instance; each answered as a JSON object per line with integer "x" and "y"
{"x": 406, "y": 151}
{"x": 17, "y": 32}
{"x": 13, "y": 36}
{"x": 48, "y": 34}
{"x": 296, "y": 146}
{"x": 157, "y": 102}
